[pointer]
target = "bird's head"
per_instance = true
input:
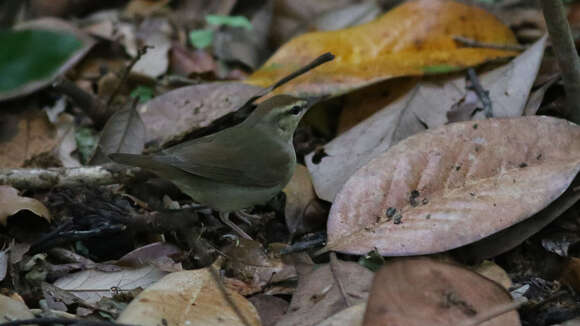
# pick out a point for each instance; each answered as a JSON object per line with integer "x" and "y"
{"x": 281, "y": 114}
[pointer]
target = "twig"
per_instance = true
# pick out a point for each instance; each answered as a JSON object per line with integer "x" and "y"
{"x": 334, "y": 269}
{"x": 69, "y": 177}
{"x": 140, "y": 53}
{"x": 477, "y": 44}
{"x": 91, "y": 105}
{"x": 492, "y": 313}
{"x": 226, "y": 295}
{"x": 565, "y": 51}
{"x": 482, "y": 94}
{"x": 315, "y": 63}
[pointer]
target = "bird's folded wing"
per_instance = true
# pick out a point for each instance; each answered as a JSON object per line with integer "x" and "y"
{"x": 228, "y": 163}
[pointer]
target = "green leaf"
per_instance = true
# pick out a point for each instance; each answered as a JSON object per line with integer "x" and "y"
{"x": 233, "y": 21}
{"x": 440, "y": 69}
{"x": 372, "y": 260}
{"x": 86, "y": 139}
{"x": 31, "y": 55}
{"x": 201, "y": 38}
{"x": 143, "y": 93}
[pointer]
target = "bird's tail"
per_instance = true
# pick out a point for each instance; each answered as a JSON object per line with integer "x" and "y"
{"x": 142, "y": 161}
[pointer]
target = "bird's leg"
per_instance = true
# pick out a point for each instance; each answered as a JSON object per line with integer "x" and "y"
{"x": 246, "y": 217}
{"x": 225, "y": 218}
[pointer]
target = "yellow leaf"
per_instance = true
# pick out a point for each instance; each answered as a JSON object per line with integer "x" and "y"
{"x": 415, "y": 38}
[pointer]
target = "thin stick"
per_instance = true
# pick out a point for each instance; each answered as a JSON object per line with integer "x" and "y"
{"x": 140, "y": 53}
{"x": 477, "y": 44}
{"x": 482, "y": 94}
{"x": 565, "y": 51}
{"x": 315, "y": 63}
{"x": 492, "y": 313}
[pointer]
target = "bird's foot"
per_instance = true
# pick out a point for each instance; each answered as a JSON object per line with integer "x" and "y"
{"x": 247, "y": 217}
{"x": 225, "y": 218}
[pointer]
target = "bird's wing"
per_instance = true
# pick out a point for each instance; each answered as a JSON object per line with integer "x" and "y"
{"x": 226, "y": 161}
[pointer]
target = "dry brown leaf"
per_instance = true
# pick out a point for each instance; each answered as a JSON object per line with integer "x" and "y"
{"x": 303, "y": 213}
{"x": 418, "y": 292}
{"x": 11, "y": 203}
{"x": 454, "y": 185}
{"x": 270, "y": 308}
{"x": 24, "y": 136}
{"x": 424, "y": 106}
{"x": 11, "y": 309}
{"x": 92, "y": 285}
{"x": 155, "y": 32}
{"x": 250, "y": 263}
{"x": 494, "y": 272}
{"x": 177, "y": 113}
{"x": 187, "y": 298}
{"x": 320, "y": 292}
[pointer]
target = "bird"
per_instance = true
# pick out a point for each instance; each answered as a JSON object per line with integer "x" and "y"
{"x": 235, "y": 168}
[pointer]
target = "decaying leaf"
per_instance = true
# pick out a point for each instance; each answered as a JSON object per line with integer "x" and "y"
{"x": 448, "y": 187}
{"x": 187, "y": 298}
{"x": 303, "y": 213}
{"x": 36, "y": 52}
{"x": 154, "y": 32}
{"x": 11, "y": 309}
{"x": 177, "y": 113}
{"x": 418, "y": 292}
{"x": 270, "y": 308}
{"x": 250, "y": 263}
{"x": 92, "y": 285}
{"x": 513, "y": 236}
{"x": 24, "y": 136}
{"x": 11, "y": 203}
{"x": 124, "y": 132}
{"x": 325, "y": 290}
{"x": 424, "y": 106}
{"x": 388, "y": 47}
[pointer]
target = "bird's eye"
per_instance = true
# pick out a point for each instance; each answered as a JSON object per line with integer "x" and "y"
{"x": 295, "y": 109}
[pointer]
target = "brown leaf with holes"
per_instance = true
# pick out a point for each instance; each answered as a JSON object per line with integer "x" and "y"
{"x": 454, "y": 185}
{"x": 420, "y": 291}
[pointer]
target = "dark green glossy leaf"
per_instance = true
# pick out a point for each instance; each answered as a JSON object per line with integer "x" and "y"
{"x": 32, "y": 55}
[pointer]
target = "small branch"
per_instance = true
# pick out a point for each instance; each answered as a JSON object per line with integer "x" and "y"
{"x": 477, "y": 44}
{"x": 482, "y": 94}
{"x": 91, "y": 105}
{"x": 565, "y": 51}
{"x": 69, "y": 177}
{"x": 492, "y": 313}
{"x": 140, "y": 53}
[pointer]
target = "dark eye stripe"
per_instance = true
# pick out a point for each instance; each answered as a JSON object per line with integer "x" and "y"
{"x": 295, "y": 109}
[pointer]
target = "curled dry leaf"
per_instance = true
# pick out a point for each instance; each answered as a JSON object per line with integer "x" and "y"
{"x": 177, "y": 113}
{"x": 448, "y": 187}
{"x": 124, "y": 132}
{"x": 388, "y": 47}
{"x": 187, "y": 298}
{"x": 417, "y": 292}
{"x": 325, "y": 290}
{"x": 11, "y": 203}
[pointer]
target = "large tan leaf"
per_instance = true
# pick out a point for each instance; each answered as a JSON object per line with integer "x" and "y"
{"x": 412, "y": 39}
{"x": 187, "y": 298}
{"x": 417, "y": 292}
{"x": 424, "y": 106}
{"x": 454, "y": 185}
{"x": 12, "y": 203}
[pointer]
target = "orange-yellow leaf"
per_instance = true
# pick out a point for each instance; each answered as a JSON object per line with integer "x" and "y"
{"x": 415, "y": 38}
